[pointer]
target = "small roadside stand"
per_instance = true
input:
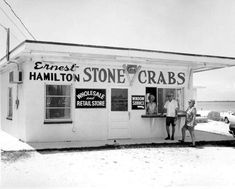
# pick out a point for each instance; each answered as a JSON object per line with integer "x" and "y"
{"x": 70, "y": 92}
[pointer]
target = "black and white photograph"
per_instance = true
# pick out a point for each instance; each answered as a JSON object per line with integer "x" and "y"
{"x": 117, "y": 94}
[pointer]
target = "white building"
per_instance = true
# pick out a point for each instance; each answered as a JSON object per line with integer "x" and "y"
{"x": 69, "y": 92}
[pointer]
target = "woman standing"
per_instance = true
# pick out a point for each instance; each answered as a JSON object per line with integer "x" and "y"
{"x": 190, "y": 122}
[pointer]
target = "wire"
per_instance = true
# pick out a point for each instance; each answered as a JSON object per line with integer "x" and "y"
{"x": 10, "y": 32}
{"x": 15, "y": 36}
{"x": 19, "y": 19}
{"x": 3, "y": 26}
{"x": 13, "y": 23}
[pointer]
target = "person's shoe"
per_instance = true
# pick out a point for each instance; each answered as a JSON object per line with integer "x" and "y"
{"x": 181, "y": 141}
{"x": 172, "y": 138}
{"x": 167, "y": 138}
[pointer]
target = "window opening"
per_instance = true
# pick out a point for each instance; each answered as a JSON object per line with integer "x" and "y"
{"x": 119, "y": 100}
{"x": 58, "y": 102}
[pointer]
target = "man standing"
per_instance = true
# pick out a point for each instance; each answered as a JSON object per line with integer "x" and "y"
{"x": 171, "y": 107}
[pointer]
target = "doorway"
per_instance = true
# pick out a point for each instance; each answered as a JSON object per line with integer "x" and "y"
{"x": 119, "y": 115}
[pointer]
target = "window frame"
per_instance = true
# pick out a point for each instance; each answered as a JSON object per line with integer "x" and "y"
{"x": 165, "y": 88}
{"x": 175, "y": 97}
{"x": 116, "y": 88}
{"x": 62, "y": 120}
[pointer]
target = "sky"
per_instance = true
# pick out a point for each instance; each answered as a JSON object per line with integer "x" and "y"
{"x": 198, "y": 26}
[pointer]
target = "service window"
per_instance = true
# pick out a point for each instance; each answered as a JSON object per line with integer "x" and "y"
{"x": 151, "y": 91}
{"x": 180, "y": 98}
{"x": 58, "y": 102}
{"x": 160, "y": 95}
{"x": 10, "y": 104}
{"x": 119, "y": 100}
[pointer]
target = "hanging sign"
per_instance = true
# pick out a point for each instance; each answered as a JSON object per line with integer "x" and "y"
{"x": 90, "y": 98}
{"x": 138, "y": 102}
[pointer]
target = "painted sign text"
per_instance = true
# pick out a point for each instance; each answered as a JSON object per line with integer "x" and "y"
{"x": 74, "y": 73}
{"x": 90, "y": 98}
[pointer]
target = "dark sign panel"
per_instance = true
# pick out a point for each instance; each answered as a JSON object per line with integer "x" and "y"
{"x": 90, "y": 98}
{"x": 138, "y": 102}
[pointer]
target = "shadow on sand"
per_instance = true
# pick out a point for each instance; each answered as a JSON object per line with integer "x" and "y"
{"x": 199, "y": 145}
{"x": 14, "y": 156}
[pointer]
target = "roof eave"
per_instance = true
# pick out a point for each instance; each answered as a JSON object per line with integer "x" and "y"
{"x": 201, "y": 62}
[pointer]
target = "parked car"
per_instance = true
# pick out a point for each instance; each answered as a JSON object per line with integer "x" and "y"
{"x": 232, "y": 129}
{"x": 228, "y": 117}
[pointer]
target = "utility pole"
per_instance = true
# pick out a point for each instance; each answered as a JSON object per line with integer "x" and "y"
{"x": 8, "y": 44}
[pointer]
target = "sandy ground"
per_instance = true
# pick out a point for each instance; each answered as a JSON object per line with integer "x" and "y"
{"x": 185, "y": 167}
{"x": 145, "y": 167}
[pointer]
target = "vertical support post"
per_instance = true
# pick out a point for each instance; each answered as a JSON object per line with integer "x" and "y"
{"x": 190, "y": 78}
{"x": 8, "y": 44}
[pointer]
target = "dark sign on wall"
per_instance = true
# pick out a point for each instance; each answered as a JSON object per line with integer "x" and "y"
{"x": 137, "y": 102}
{"x": 90, "y": 98}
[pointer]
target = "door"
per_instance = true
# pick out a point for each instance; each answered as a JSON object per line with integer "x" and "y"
{"x": 119, "y": 115}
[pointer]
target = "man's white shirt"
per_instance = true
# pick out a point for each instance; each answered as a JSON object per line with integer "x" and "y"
{"x": 171, "y": 106}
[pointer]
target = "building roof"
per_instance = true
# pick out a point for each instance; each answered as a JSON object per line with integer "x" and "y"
{"x": 70, "y": 51}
